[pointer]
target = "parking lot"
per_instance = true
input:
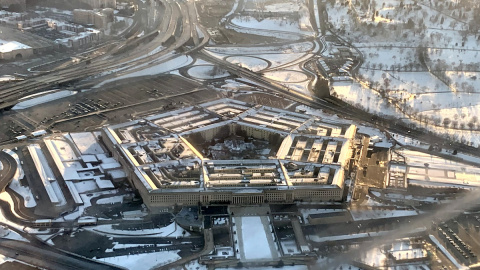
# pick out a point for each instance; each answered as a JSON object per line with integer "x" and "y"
{"x": 460, "y": 237}
{"x": 113, "y": 104}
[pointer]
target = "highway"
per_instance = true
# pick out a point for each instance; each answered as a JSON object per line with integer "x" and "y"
{"x": 178, "y": 24}
{"x": 8, "y": 171}
{"x": 339, "y": 107}
{"x": 46, "y": 257}
{"x": 40, "y": 254}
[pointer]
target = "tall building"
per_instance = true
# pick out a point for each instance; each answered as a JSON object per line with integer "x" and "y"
{"x": 231, "y": 152}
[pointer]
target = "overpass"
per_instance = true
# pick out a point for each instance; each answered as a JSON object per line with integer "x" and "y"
{"x": 179, "y": 22}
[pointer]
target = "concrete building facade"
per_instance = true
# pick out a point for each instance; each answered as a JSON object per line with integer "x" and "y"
{"x": 99, "y": 19}
{"x": 165, "y": 163}
{"x": 11, "y": 50}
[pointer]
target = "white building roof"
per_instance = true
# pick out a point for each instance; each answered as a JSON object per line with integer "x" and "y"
{"x": 8, "y": 46}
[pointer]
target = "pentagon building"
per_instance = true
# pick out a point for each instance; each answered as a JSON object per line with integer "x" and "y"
{"x": 231, "y": 152}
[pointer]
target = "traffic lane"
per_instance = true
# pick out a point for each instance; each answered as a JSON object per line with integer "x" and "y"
{"x": 47, "y": 259}
{"x": 65, "y": 75}
{"x": 156, "y": 240}
{"x": 140, "y": 250}
{"x": 9, "y": 169}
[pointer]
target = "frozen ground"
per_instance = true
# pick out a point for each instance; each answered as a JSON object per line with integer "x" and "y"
{"x": 254, "y": 243}
{"x": 299, "y": 47}
{"x": 205, "y": 72}
{"x": 441, "y": 95}
{"x": 143, "y": 261}
{"x": 110, "y": 200}
{"x": 172, "y": 230}
{"x": 154, "y": 69}
{"x": 287, "y": 76}
{"x": 23, "y": 191}
{"x": 275, "y": 24}
{"x": 251, "y": 63}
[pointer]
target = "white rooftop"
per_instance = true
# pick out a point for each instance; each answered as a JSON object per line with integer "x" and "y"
{"x": 8, "y": 46}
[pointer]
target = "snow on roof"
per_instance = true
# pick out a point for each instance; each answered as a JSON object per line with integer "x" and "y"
{"x": 87, "y": 143}
{"x": 117, "y": 174}
{"x": 108, "y": 160}
{"x": 68, "y": 173}
{"x": 9, "y": 46}
{"x": 104, "y": 183}
{"x": 110, "y": 166}
{"x": 39, "y": 132}
{"x": 101, "y": 157}
{"x": 89, "y": 158}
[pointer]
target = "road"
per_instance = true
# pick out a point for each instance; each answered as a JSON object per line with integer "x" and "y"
{"x": 209, "y": 247}
{"x": 43, "y": 255}
{"x": 45, "y": 258}
{"x": 178, "y": 24}
{"x": 339, "y": 107}
{"x": 7, "y": 173}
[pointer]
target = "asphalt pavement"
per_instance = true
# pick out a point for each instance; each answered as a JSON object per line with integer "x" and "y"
{"x": 7, "y": 173}
{"x": 45, "y": 258}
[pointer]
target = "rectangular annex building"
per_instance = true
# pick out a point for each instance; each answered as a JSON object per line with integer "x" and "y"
{"x": 232, "y": 152}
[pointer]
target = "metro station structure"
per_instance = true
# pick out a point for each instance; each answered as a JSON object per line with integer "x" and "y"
{"x": 232, "y": 152}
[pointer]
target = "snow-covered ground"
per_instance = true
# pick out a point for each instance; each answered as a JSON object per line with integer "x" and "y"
{"x": 254, "y": 242}
{"x": 296, "y": 47}
{"x": 205, "y": 72}
{"x": 287, "y": 76}
{"x": 172, "y": 230}
{"x": 251, "y": 63}
{"x": 143, "y": 261}
{"x": 274, "y": 24}
{"x": 443, "y": 96}
{"x": 267, "y": 6}
{"x": 24, "y": 191}
{"x": 110, "y": 200}
{"x": 155, "y": 69}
